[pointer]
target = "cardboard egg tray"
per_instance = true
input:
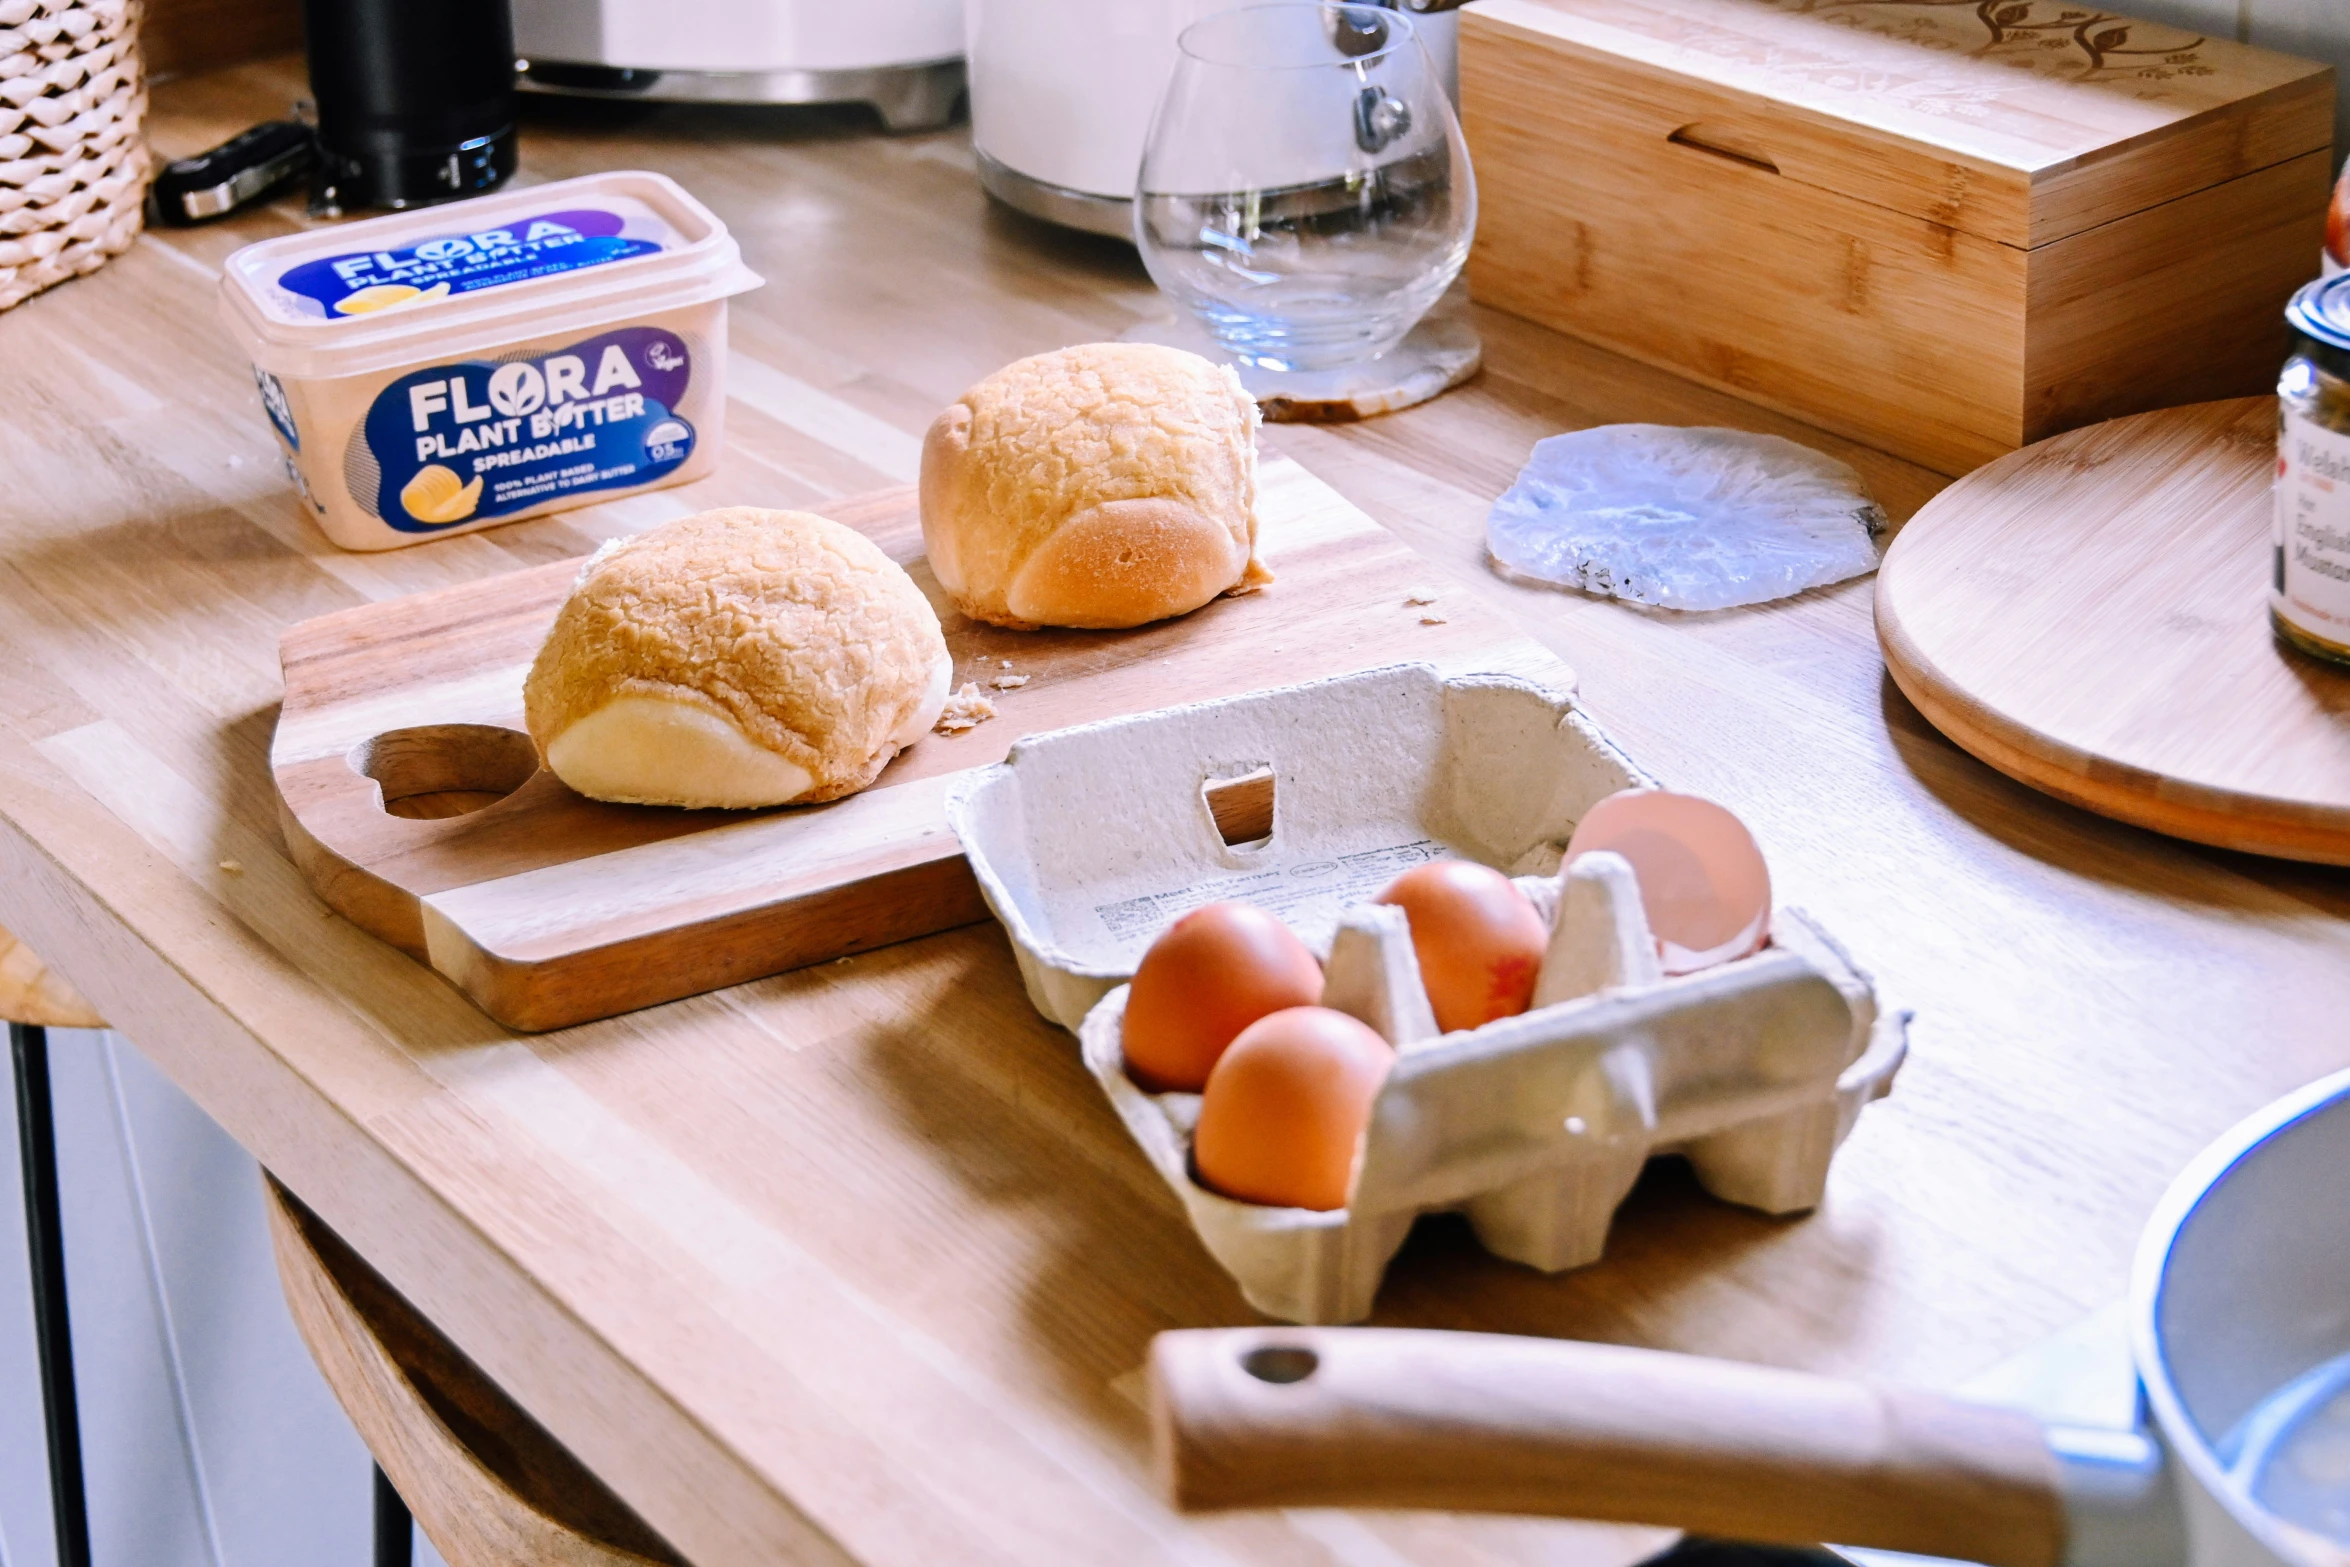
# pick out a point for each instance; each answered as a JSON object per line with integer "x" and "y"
{"x": 1307, "y": 801}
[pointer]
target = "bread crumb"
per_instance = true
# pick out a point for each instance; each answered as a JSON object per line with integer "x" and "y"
{"x": 1418, "y": 599}
{"x": 1432, "y": 620}
{"x": 232, "y": 867}
{"x": 1007, "y": 663}
{"x": 966, "y": 709}
{"x": 1008, "y": 682}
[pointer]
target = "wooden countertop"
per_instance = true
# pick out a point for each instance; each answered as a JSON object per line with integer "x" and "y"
{"x": 855, "y": 1264}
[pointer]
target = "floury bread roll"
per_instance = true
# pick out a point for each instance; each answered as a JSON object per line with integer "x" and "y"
{"x": 1101, "y": 486}
{"x": 741, "y": 657}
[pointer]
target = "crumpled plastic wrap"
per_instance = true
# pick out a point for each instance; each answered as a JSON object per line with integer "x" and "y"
{"x": 1683, "y": 518}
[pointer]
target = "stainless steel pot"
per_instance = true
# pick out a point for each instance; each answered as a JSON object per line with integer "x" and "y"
{"x": 2240, "y": 1309}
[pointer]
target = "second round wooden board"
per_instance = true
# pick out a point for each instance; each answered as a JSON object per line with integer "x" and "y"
{"x": 2090, "y": 615}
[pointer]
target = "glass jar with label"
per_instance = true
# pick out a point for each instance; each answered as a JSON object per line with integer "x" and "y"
{"x": 2309, "y": 587}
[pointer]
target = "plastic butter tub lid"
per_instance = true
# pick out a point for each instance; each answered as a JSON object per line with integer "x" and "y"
{"x": 361, "y": 297}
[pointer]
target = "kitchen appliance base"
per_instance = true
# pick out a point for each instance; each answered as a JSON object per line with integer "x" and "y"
{"x": 918, "y": 97}
{"x": 1075, "y": 209}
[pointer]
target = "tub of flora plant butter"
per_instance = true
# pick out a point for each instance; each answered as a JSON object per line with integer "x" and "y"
{"x": 448, "y": 369}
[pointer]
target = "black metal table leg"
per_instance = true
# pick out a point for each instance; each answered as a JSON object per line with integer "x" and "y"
{"x": 395, "y": 1536}
{"x": 36, "y": 1134}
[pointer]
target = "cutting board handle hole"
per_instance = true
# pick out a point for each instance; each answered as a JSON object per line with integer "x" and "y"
{"x": 1281, "y": 1364}
{"x": 442, "y": 770}
{"x": 1721, "y": 141}
{"x": 1242, "y": 807}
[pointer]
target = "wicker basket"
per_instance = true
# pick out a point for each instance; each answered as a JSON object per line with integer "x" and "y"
{"x": 73, "y": 166}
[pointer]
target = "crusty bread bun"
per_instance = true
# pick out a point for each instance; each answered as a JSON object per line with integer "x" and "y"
{"x": 1100, "y": 486}
{"x": 741, "y": 657}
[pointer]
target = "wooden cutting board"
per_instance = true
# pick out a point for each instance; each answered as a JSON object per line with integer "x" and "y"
{"x": 414, "y": 802}
{"x": 2090, "y": 615}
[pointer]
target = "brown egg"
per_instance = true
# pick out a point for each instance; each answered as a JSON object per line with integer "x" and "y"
{"x": 1702, "y": 877}
{"x": 1282, "y": 1120}
{"x": 1209, "y": 975}
{"x": 1478, "y": 940}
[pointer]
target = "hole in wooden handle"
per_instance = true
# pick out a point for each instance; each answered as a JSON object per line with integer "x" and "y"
{"x": 1242, "y": 807}
{"x": 1280, "y": 1363}
{"x": 440, "y": 770}
{"x": 1724, "y": 142}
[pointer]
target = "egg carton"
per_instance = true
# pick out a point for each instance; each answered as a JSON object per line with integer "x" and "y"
{"x": 1308, "y": 800}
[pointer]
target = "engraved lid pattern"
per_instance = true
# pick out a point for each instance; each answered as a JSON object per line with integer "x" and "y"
{"x": 1954, "y": 58}
{"x": 2073, "y": 43}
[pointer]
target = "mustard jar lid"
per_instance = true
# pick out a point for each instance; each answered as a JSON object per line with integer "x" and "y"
{"x": 2320, "y": 318}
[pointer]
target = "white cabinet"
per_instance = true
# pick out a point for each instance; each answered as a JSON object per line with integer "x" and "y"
{"x": 208, "y": 1436}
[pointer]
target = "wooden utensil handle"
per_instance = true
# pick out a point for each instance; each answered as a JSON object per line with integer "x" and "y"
{"x": 1479, "y": 1422}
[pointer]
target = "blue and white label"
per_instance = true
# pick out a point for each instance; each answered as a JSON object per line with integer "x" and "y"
{"x": 275, "y": 403}
{"x": 459, "y": 443}
{"x": 543, "y": 244}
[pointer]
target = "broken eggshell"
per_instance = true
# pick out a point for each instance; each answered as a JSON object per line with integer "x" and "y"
{"x": 1703, "y": 882}
{"x": 1683, "y": 518}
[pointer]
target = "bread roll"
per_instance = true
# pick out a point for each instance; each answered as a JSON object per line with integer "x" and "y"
{"x": 1100, "y": 486}
{"x": 741, "y": 657}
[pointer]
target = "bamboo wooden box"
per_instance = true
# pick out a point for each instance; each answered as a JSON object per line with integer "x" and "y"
{"x": 1946, "y": 228}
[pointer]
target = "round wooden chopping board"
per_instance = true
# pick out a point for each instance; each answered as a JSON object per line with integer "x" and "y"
{"x": 2090, "y": 615}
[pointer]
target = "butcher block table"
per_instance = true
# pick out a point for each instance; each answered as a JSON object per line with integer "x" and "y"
{"x": 854, "y": 1264}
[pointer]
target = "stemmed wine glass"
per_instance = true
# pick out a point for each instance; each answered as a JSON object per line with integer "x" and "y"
{"x": 1305, "y": 191}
